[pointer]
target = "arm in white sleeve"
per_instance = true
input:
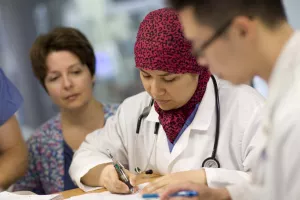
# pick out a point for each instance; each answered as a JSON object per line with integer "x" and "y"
{"x": 245, "y": 191}
{"x": 251, "y": 143}
{"x": 276, "y": 175}
{"x": 92, "y": 151}
{"x": 282, "y": 179}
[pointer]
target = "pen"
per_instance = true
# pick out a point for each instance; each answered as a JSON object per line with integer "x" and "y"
{"x": 188, "y": 193}
{"x": 121, "y": 173}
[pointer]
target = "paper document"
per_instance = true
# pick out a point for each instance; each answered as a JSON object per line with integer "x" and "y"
{"x": 99, "y": 196}
{"x": 12, "y": 196}
{"x": 110, "y": 196}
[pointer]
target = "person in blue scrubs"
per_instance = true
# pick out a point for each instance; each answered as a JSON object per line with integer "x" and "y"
{"x": 13, "y": 150}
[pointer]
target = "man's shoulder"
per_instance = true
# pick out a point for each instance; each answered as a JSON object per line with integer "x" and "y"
{"x": 241, "y": 94}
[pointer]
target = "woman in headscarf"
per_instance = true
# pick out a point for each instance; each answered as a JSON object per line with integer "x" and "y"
{"x": 176, "y": 133}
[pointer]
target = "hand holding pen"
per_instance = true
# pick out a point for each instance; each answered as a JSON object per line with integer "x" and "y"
{"x": 116, "y": 179}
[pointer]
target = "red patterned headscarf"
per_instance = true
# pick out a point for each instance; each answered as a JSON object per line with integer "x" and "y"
{"x": 160, "y": 45}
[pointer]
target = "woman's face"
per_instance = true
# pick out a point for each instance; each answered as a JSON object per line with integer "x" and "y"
{"x": 68, "y": 82}
{"x": 170, "y": 91}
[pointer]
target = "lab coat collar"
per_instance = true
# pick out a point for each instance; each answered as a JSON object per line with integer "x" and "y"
{"x": 286, "y": 54}
{"x": 153, "y": 115}
{"x": 205, "y": 111}
{"x": 283, "y": 67}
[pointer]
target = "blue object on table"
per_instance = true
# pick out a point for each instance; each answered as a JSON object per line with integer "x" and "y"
{"x": 150, "y": 196}
{"x": 188, "y": 193}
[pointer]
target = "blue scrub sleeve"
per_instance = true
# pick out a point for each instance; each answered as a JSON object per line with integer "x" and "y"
{"x": 10, "y": 98}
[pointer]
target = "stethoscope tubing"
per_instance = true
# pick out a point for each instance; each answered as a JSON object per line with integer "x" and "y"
{"x": 146, "y": 112}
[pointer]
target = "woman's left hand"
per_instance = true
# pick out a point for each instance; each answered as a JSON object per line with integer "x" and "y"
{"x": 157, "y": 186}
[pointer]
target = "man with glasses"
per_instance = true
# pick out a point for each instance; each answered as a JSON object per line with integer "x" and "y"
{"x": 13, "y": 150}
{"x": 239, "y": 39}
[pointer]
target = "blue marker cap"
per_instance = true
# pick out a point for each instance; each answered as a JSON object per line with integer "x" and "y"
{"x": 150, "y": 196}
{"x": 177, "y": 194}
{"x": 188, "y": 193}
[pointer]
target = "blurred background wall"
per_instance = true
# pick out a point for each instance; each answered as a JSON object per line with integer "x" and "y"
{"x": 110, "y": 25}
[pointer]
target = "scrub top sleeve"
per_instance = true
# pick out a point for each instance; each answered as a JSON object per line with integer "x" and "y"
{"x": 10, "y": 98}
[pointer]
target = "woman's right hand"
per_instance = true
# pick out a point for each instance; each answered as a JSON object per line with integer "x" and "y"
{"x": 110, "y": 180}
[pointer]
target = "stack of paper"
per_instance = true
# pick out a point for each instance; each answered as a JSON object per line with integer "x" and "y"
{"x": 99, "y": 196}
{"x": 110, "y": 196}
{"x": 12, "y": 196}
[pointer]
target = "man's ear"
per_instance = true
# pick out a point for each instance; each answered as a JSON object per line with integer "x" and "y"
{"x": 243, "y": 25}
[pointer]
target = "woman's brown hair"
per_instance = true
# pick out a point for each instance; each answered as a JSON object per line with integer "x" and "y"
{"x": 61, "y": 39}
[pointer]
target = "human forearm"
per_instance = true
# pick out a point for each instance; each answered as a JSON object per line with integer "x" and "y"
{"x": 13, "y": 164}
{"x": 92, "y": 178}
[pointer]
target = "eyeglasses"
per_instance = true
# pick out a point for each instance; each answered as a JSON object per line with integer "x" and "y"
{"x": 200, "y": 51}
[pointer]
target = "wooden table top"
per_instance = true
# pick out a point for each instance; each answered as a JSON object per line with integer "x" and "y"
{"x": 75, "y": 192}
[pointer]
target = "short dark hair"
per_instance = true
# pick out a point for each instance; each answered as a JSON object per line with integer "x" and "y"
{"x": 214, "y": 12}
{"x": 60, "y": 39}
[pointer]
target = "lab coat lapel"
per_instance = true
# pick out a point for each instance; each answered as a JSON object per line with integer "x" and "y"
{"x": 153, "y": 115}
{"x": 283, "y": 68}
{"x": 201, "y": 121}
{"x": 162, "y": 151}
{"x": 206, "y": 108}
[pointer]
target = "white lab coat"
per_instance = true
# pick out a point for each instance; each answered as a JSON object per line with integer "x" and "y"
{"x": 277, "y": 175}
{"x": 240, "y": 113}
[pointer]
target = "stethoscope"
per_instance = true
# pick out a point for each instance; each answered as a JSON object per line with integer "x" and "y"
{"x": 210, "y": 162}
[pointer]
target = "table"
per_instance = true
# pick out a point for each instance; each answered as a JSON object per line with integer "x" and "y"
{"x": 140, "y": 179}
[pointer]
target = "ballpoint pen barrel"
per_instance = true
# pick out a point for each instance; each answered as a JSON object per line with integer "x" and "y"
{"x": 121, "y": 173}
{"x": 123, "y": 177}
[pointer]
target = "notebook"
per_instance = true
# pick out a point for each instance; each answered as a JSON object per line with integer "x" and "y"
{"x": 12, "y": 196}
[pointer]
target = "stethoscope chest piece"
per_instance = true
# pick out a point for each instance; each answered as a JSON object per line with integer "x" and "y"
{"x": 139, "y": 171}
{"x": 211, "y": 163}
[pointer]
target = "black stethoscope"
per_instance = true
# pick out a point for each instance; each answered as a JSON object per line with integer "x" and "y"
{"x": 210, "y": 162}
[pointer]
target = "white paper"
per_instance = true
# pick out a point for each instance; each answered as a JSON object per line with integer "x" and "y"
{"x": 89, "y": 189}
{"x": 12, "y": 196}
{"x": 99, "y": 196}
{"x": 110, "y": 196}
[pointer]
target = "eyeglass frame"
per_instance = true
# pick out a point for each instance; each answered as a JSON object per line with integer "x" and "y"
{"x": 199, "y": 51}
